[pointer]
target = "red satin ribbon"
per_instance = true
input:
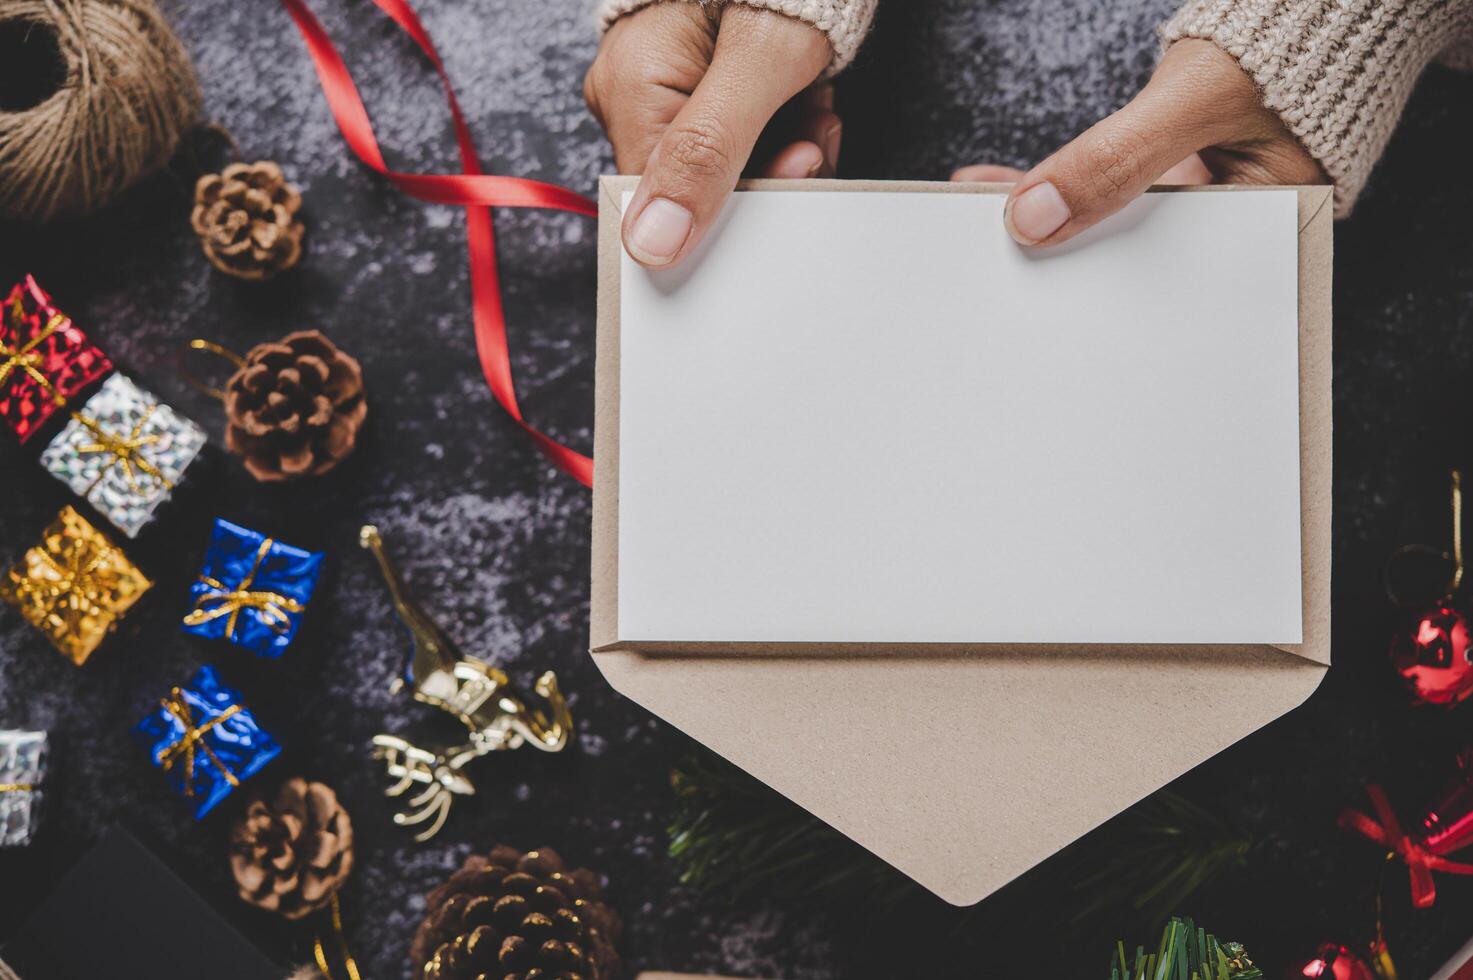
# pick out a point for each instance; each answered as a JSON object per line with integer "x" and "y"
{"x": 473, "y": 189}
{"x": 1419, "y": 861}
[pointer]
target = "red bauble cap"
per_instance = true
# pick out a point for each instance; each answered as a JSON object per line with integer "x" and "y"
{"x": 1434, "y": 656}
{"x": 1345, "y": 966}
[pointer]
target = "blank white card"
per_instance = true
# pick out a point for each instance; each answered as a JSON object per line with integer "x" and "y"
{"x": 871, "y": 417}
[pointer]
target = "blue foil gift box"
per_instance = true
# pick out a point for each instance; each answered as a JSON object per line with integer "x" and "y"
{"x": 206, "y": 741}
{"x": 252, "y": 590}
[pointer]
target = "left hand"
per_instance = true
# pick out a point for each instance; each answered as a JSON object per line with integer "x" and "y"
{"x": 686, "y": 91}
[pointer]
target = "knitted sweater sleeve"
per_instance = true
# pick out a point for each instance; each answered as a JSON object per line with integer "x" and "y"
{"x": 844, "y": 21}
{"x": 1338, "y": 72}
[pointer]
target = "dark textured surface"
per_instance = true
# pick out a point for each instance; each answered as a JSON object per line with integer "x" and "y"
{"x": 498, "y": 544}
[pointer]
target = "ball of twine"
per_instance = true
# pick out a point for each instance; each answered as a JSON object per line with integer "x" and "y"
{"x": 94, "y": 94}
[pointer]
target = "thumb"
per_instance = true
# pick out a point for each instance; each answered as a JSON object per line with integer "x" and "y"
{"x": 761, "y": 61}
{"x": 1114, "y": 161}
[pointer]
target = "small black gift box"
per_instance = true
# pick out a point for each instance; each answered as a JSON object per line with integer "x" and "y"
{"x": 139, "y": 920}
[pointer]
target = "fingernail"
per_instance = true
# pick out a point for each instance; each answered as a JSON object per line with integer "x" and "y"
{"x": 832, "y": 139}
{"x": 817, "y": 164}
{"x": 659, "y": 232}
{"x": 1036, "y": 214}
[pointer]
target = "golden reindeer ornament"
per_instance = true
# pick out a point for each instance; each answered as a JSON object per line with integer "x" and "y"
{"x": 480, "y": 696}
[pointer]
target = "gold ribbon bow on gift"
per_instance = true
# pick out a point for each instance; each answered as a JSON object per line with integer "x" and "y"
{"x": 193, "y": 737}
{"x": 27, "y": 359}
{"x": 124, "y": 450}
{"x": 75, "y": 590}
{"x": 272, "y": 607}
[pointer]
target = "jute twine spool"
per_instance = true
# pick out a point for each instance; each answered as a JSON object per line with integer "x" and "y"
{"x": 94, "y": 94}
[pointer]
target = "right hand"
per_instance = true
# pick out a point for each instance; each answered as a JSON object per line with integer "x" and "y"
{"x": 1200, "y": 120}
{"x": 684, "y": 91}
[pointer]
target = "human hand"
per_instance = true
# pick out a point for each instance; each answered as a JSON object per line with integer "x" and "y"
{"x": 1198, "y": 121}
{"x": 684, "y": 91}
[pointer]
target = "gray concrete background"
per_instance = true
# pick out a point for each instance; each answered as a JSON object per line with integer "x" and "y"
{"x": 497, "y": 544}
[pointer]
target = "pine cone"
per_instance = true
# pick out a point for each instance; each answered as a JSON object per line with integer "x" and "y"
{"x": 295, "y": 407}
{"x": 246, "y": 220}
{"x": 290, "y": 855}
{"x": 514, "y": 916}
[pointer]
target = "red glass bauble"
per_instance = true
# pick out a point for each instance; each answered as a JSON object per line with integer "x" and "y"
{"x": 1434, "y": 656}
{"x": 1345, "y": 966}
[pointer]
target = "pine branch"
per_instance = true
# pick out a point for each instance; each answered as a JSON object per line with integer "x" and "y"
{"x": 731, "y": 835}
{"x": 1154, "y": 857}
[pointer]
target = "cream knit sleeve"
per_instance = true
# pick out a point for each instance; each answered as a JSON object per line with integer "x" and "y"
{"x": 844, "y": 21}
{"x": 1338, "y": 72}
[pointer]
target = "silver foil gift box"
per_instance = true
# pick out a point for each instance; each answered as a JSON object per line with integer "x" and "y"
{"x": 124, "y": 452}
{"x": 22, "y": 769}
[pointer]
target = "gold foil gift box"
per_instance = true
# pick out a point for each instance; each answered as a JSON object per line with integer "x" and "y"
{"x": 74, "y": 586}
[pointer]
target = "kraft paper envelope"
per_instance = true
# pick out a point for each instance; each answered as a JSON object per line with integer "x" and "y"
{"x": 965, "y": 764}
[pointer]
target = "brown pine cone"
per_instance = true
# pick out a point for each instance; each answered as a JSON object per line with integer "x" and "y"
{"x": 514, "y": 916}
{"x": 290, "y": 855}
{"x": 295, "y": 407}
{"x": 246, "y": 220}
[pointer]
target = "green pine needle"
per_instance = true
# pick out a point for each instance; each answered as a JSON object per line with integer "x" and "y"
{"x": 731, "y": 835}
{"x": 1186, "y": 952}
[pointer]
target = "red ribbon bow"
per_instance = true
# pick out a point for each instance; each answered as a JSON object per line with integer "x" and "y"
{"x": 473, "y": 189}
{"x": 1420, "y": 862}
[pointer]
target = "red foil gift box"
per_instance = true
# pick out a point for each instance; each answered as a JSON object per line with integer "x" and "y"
{"x": 45, "y": 359}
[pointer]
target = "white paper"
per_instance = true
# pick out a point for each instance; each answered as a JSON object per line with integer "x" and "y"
{"x": 871, "y": 417}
